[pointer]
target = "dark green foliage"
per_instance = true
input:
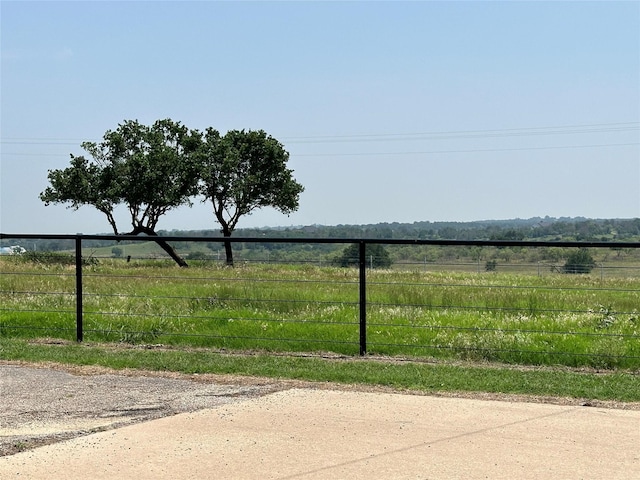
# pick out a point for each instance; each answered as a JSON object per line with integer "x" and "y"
{"x": 198, "y": 256}
{"x": 627, "y": 230}
{"x": 243, "y": 171}
{"x": 157, "y": 168}
{"x": 150, "y": 169}
{"x": 376, "y": 256}
{"x": 579, "y": 261}
{"x": 54, "y": 258}
{"x": 509, "y": 234}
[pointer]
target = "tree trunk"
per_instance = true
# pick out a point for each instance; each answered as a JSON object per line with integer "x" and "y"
{"x": 172, "y": 253}
{"x": 161, "y": 243}
{"x": 227, "y": 247}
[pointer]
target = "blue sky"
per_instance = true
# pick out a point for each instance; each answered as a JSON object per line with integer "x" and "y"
{"x": 391, "y": 111}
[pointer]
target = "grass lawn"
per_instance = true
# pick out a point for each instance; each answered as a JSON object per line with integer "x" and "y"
{"x": 546, "y": 383}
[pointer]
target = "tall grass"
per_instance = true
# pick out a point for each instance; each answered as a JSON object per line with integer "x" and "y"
{"x": 574, "y": 320}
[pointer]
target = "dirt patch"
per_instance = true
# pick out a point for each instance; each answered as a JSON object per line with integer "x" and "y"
{"x": 41, "y": 404}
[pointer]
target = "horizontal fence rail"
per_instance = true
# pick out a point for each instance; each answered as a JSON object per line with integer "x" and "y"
{"x": 484, "y": 306}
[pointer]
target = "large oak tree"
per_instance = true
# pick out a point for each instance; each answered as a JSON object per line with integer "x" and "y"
{"x": 150, "y": 169}
{"x": 242, "y": 171}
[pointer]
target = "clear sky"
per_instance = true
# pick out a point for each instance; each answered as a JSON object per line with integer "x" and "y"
{"x": 391, "y": 111}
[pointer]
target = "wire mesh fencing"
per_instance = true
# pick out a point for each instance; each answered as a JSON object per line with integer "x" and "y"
{"x": 481, "y": 309}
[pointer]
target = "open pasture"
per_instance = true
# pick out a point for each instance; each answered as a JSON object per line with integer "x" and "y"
{"x": 555, "y": 319}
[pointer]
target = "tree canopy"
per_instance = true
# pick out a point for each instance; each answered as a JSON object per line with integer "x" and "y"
{"x": 579, "y": 261}
{"x": 83, "y": 183}
{"x": 150, "y": 169}
{"x": 376, "y": 256}
{"x": 243, "y": 171}
{"x": 157, "y": 168}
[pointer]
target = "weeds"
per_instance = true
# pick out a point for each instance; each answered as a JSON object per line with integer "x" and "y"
{"x": 54, "y": 258}
{"x": 510, "y": 318}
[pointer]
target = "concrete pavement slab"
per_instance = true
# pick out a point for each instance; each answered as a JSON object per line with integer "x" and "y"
{"x": 320, "y": 434}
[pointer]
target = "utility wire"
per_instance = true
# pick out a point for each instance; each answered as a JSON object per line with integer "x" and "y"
{"x": 458, "y": 135}
{"x": 517, "y": 149}
{"x": 425, "y": 152}
{"x": 454, "y": 134}
{"x": 425, "y": 136}
{"x": 620, "y": 126}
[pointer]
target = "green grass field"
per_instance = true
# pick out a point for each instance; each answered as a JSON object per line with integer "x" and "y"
{"x": 510, "y": 318}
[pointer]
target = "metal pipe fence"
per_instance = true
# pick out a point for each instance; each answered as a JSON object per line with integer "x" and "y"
{"x": 512, "y": 312}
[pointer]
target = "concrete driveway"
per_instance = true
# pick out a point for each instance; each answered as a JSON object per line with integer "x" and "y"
{"x": 310, "y": 433}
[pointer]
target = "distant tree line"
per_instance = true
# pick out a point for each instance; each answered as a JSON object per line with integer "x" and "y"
{"x": 339, "y": 254}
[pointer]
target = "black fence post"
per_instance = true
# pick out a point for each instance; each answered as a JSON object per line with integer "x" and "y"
{"x": 79, "y": 333}
{"x": 363, "y": 298}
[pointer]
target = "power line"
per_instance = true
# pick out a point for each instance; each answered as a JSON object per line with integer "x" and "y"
{"x": 462, "y": 134}
{"x": 631, "y": 125}
{"x": 427, "y": 152}
{"x": 467, "y": 151}
{"x": 35, "y": 141}
{"x": 453, "y": 134}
